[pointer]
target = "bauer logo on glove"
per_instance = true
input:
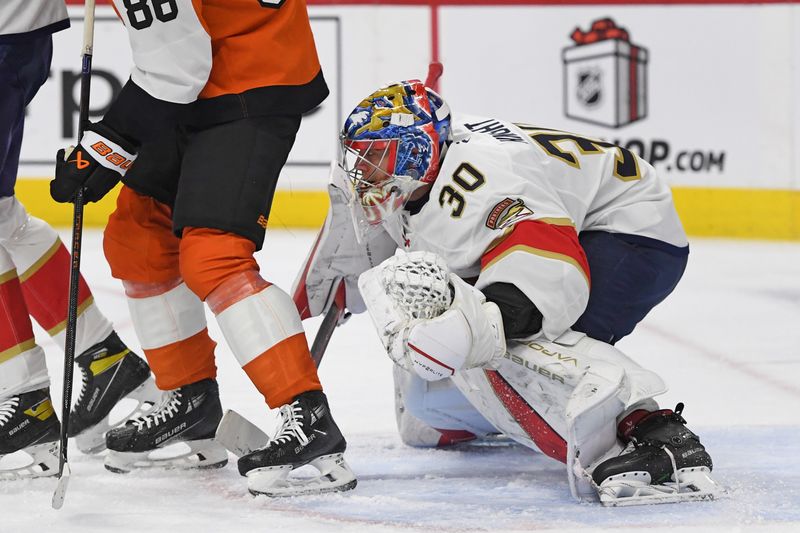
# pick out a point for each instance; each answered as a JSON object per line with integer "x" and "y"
{"x": 99, "y": 161}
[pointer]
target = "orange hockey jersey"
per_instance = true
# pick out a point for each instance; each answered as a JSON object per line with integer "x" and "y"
{"x": 235, "y": 58}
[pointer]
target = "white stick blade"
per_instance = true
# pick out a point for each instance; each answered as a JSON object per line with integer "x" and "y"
{"x": 61, "y": 488}
{"x": 239, "y": 435}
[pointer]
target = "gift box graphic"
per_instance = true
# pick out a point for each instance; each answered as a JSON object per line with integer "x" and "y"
{"x": 605, "y": 76}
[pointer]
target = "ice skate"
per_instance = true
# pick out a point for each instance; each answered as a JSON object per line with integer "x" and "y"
{"x": 186, "y": 417}
{"x": 307, "y": 435}
{"x": 110, "y": 373}
{"x": 664, "y": 462}
{"x": 29, "y": 430}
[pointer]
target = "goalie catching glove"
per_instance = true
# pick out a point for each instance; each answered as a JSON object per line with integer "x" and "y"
{"x": 100, "y": 160}
{"x": 430, "y": 321}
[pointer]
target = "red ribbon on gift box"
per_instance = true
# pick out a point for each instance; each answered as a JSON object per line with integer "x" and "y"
{"x": 601, "y": 30}
{"x": 606, "y": 29}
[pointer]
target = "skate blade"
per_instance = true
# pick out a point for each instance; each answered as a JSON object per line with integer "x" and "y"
{"x": 40, "y": 460}
{"x": 694, "y": 484}
{"x": 202, "y": 454}
{"x": 93, "y": 440}
{"x": 334, "y": 476}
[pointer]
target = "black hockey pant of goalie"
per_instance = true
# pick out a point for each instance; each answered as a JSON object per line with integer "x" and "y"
{"x": 630, "y": 275}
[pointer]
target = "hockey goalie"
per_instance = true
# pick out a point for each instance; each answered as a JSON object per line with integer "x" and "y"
{"x": 500, "y": 263}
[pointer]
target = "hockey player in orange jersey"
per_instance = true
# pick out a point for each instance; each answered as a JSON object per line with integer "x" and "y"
{"x": 198, "y": 136}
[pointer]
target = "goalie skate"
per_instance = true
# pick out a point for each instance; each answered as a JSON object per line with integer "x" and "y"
{"x": 113, "y": 378}
{"x": 29, "y": 436}
{"x": 307, "y": 436}
{"x": 664, "y": 462}
{"x": 177, "y": 433}
{"x": 637, "y": 489}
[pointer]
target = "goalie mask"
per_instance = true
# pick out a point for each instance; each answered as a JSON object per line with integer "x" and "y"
{"x": 391, "y": 144}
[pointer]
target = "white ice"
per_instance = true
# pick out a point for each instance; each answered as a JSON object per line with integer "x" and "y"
{"x": 727, "y": 342}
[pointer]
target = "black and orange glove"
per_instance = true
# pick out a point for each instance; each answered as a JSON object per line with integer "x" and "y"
{"x": 98, "y": 162}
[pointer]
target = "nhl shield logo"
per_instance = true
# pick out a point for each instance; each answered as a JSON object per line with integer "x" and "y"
{"x": 605, "y": 76}
{"x": 589, "y": 88}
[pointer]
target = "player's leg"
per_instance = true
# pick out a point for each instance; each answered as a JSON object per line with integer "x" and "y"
{"x": 630, "y": 276}
{"x": 170, "y": 323}
{"x": 28, "y": 422}
{"x": 222, "y": 207}
{"x": 110, "y": 372}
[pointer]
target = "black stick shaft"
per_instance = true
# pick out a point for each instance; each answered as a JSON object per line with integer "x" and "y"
{"x": 74, "y": 273}
{"x": 325, "y": 332}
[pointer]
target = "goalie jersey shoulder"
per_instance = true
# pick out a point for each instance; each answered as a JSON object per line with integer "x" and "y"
{"x": 496, "y": 174}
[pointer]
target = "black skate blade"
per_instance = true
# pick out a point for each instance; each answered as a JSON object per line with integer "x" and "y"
{"x": 116, "y": 470}
{"x": 212, "y": 466}
{"x": 61, "y": 488}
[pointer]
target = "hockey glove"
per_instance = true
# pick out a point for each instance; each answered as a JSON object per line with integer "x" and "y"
{"x": 430, "y": 321}
{"x": 98, "y": 162}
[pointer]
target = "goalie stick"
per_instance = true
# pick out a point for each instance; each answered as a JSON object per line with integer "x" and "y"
{"x": 333, "y": 317}
{"x": 75, "y": 265}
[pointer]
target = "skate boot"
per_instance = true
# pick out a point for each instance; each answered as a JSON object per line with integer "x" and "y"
{"x": 110, "y": 373}
{"x": 663, "y": 462}
{"x": 307, "y": 435}
{"x": 188, "y": 415}
{"x": 28, "y": 423}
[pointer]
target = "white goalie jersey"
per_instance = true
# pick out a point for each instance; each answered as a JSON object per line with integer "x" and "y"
{"x": 511, "y": 199}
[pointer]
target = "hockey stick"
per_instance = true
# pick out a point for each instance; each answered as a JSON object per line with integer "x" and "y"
{"x": 74, "y": 272}
{"x": 332, "y": 318}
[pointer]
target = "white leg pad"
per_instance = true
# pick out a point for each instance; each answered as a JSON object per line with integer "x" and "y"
{"x": 574, "y": 390}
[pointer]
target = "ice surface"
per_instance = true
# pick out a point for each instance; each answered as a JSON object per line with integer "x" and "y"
{"x": 727, "y": 342}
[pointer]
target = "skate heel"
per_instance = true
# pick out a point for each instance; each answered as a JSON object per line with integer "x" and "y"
{"x": 201, "y": 454}
{"x": 42, "y": 461}
{"x": 93, "y": 440}
{"x": 334, "y": 475}
{"x": 699, "y": 481}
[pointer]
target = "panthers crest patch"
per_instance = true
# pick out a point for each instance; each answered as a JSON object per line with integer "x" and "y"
{"x": 506, "y": 213}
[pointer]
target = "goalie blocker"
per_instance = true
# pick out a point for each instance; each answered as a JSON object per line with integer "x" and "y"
{"x": 576, "y": 399}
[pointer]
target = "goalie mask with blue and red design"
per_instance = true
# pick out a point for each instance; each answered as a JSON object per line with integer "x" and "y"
{"x": 392, "y": 144}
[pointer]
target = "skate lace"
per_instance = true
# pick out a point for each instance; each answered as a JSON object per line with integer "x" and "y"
{"x": 168, "y": 408}
{"x": 7, "y": 408}
{"x": 84, "y": 386}
{"x": 291, "y": 425}
{"x": 674, "y": 467}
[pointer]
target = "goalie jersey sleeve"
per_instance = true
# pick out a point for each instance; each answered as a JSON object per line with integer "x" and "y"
{"x": 510, "y": 202}
{"x": 239, "y": 58}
